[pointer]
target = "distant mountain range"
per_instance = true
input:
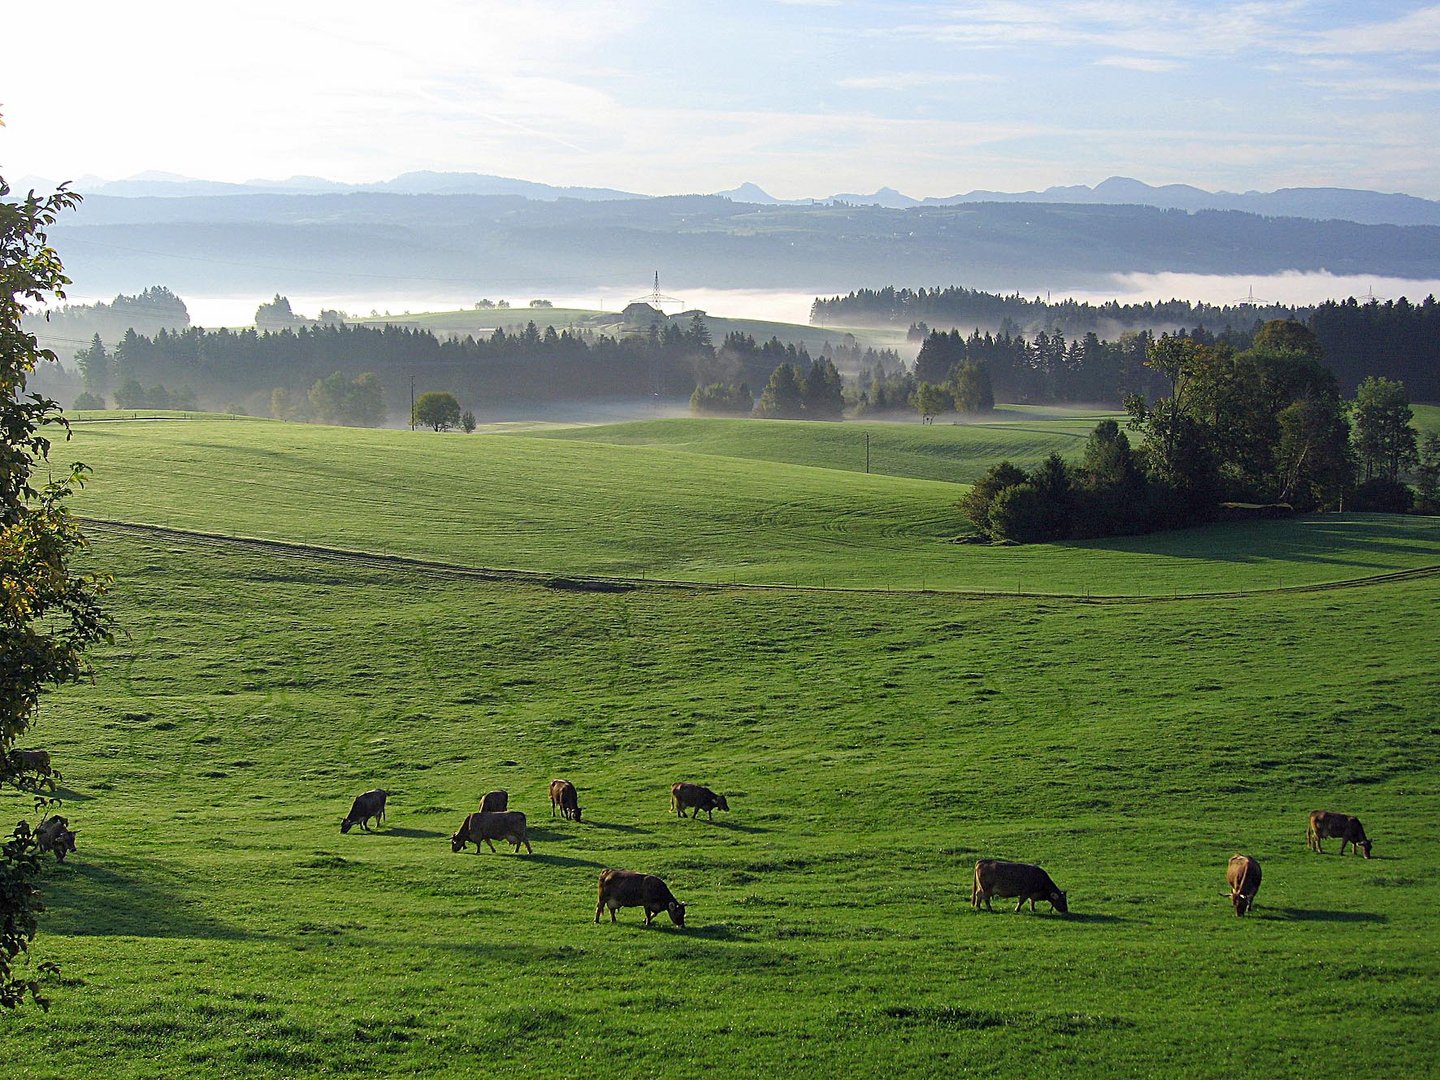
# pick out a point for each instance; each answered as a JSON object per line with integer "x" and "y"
{"x": 364, "y": 242}
{"x": 1319, "y": 203}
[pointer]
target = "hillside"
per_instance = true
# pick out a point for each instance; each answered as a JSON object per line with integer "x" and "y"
{"x": 214, "y": 922}
{"x": 584, "y": 507}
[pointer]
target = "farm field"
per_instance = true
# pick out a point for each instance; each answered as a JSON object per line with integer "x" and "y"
{"x": 586, "y": 507}
{"x": 956, "y": 453}
{"x": 215, "y": 923}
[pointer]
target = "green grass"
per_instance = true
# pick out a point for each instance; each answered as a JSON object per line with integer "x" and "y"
{"x": 589, "y": 507}
{"x": 1427, "y": 418}
{"x": 957, "y": 453}
{"x": 215, "y": 923}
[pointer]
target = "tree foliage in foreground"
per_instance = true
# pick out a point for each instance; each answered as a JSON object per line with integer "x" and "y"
{"x": 49, "y": 614}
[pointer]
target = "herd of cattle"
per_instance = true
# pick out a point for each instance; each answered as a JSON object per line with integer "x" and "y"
{"x": 1022, "y": 882}
{"x": 494, "y": 820}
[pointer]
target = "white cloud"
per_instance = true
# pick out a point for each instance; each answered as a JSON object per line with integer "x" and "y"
{"x": 912, "y": 80}
{"x": 1140, "y": 63}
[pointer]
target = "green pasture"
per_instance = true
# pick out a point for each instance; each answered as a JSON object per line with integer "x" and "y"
{"x": 957, "y": 453}
{"x": 1427, "y": 418}
{"x": 214, "y": 922}
{"x": 585, "y": 506}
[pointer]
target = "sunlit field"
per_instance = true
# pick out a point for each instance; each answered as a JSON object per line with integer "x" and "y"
{"x": 214, "y": 921}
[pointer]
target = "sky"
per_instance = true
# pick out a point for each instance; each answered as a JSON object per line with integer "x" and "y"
{"x": 807, "y": 98}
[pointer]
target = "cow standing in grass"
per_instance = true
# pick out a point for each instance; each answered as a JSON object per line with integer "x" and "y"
{"x": 480, "y": 829}
{"x": 996, "y": 877}
{"x": 370, "y": 804}
{"x": 1323, "y": 823}
{"x": 1243, "y": 875}
{"x": 626, "y": 888}
{"x": 684, "y": 796}
{"x": 494, "y": 802}
{"x": 564, "y": 797}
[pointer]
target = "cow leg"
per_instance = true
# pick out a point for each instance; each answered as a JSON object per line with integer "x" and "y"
{"x": 648, "y": 916}
{"x": 1020, "y": 905}
{"x": 612, "y": 914}
{"x": 1032, "y": 905}
{"x": 599, "y": 904}
{"x": 987, "y": 902}
{"x": 491, "y": 846}
{"x": 528, "y": 849}
{"x": 709, "y": 815}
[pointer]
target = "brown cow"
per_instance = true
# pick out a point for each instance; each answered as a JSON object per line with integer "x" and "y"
{"x": 494, "y": 802}
{"x": 564, "y": 795}
{"x": 54, "y": 835}
{"x": 1323, "y": 823}
{"x": 683, "y": 796}
{"x": 483, "y": 828}
{"x": 367, "y": 805}
{"x": 996, "y": 877}
{"x": 625, "y": 888}
{"x": 1243, "y": 874}
{"x": 35, "y": 761}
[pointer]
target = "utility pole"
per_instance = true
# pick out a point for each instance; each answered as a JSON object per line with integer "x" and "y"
{"x": 412, "y": 402}
{"x": 867, "y": 451}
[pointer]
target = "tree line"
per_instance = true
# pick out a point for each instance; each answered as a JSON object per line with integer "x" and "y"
{"x": 1260, "y": 431}
{"x": 1396, "y": 339}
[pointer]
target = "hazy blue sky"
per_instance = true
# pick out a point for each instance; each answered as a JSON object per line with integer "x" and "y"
{"x": 806, "y": 97}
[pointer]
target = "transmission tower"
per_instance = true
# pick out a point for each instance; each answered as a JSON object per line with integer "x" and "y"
{"x": 657, "y": 299}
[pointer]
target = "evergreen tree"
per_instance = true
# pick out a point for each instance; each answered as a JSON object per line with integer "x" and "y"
{"x": 782, "y": 398}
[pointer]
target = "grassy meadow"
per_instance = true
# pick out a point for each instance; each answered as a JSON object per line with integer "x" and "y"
{"x": 214, "y": 922}
{"x": 584, "y": 505}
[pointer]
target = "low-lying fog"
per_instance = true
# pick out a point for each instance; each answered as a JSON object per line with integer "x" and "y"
{"x": 793, "y": 306}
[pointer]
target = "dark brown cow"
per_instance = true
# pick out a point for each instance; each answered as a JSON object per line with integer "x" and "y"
{"x": 683, "y": 796}
{"x": 625, "y": 888}
{"x": 564, "y": 796}
{"x": 35, "y": 761}
{"x": 1243, "y": 874}
{"x": 370, "y": 804}
{"x": 480, "y": 829}
{"x": 1323, "y": 823}
{"x": 996, "y": 877}
{"x": 54, "y": 835}
{"x": 494, "y": 802}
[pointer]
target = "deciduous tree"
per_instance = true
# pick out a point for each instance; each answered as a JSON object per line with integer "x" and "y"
{"x": 49, "y": 614}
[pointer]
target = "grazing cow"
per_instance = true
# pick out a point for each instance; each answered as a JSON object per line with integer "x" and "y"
{"x": 35, "y": 761}
{"x": 563, "y": 795}
{"x": 684, "y": 796}
{"x": 483, "y": 828}
{"x": 1243, "y": 874}
{"x": 493, "y": 802}
{"x": 54, "y": 835}
{"x": 369, "y": 805}
{"x": 996, "y": 877}
{"x": 625, "y": 888}
{"x": 1323, "y": 823}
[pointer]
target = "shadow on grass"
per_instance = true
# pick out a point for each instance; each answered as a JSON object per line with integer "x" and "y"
{"x": 737, "y": 826}
{"x": 615, "y": 826}
{"x": 128, "y": 897}
{"x": 71, "y": 795}
{"x": 1093, "y": 917}
{"x": 401, "y": 831}
{"x": 562, "y": 860}
{"x": 1319, "y": 915}
{"x": 715, "y": 932}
